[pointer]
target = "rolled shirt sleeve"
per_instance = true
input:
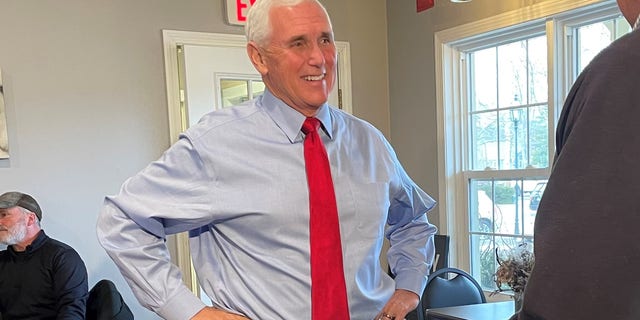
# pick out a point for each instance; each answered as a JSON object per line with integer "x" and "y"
{"x": 132, "y": 228}
{"x": 410, "y": 234}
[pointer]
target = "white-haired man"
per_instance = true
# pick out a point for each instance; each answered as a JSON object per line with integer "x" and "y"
{"x": 272, "y": 235}
{"x": 586, "y": 245}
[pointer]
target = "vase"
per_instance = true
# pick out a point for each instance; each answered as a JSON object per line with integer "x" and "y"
{"x": 517, "y": 301}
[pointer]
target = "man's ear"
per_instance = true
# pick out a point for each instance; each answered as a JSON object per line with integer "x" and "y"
{"x": 257, "y": 58}
{"x": 31, "y": 219}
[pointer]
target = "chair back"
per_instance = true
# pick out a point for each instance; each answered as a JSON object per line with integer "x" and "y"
{"x": 440, "y": 260}
{"x": 106, "y": 303}
{"x": 460, "y": 290}
{"x": 442, "y": 292}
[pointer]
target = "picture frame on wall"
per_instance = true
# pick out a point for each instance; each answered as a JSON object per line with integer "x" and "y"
{"x": 4, "y": 137}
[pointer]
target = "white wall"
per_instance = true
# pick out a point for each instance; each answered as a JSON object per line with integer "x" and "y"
{"x": 86, "y": 107}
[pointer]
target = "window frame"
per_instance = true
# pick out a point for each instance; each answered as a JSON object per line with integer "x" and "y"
{"x": 557, "y": 19}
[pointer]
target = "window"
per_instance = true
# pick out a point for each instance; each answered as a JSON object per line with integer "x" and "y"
{"x": 507, "y": 118}
{"x": 503, "y": 82}
{"x": 234, "y": 91}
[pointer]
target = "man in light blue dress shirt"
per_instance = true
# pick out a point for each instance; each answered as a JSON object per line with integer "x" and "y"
{"x": 237, "y": 182}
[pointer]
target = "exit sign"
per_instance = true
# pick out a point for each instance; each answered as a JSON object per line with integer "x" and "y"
{"x": 237, "y": 11}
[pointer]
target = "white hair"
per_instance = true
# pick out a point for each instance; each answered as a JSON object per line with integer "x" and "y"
{"x": 258, "y": 26}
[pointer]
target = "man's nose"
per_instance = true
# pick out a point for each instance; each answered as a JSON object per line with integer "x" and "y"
{"x": 316, "y": 56}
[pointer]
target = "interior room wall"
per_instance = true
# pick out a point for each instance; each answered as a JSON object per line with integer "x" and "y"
{"x": 86, "y": 106}
{"x": 412, "y": 91}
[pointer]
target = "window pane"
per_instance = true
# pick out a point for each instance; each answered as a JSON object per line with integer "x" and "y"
{"x": 513, "y": 139}
{"x": 592, "y": 38}
{"x": 507, "y": 199}
{"x": 537, "y": 49}
{"x": 257, "y": 88}
{"x": 483, "y": 260}
{"x": 539, "y": 137}
{"x": 484, "y": 215}
{"x": 484, "y": 78}
{"x": 622, "y": 27}
{"x": 532, "y": 193}
{"x": 512, "y": 74}
{"x": 484, "y": 137}
{"x": 233, "y": 92}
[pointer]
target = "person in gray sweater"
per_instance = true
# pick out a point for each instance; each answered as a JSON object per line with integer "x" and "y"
{"x": 586, "y": 244}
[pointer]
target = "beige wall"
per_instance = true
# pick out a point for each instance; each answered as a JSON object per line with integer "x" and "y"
{"x": 86, "y": 107}
{"x": 363, "y": 23}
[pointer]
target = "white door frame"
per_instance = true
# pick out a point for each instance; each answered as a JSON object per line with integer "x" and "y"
{"x": 179, "y": 243}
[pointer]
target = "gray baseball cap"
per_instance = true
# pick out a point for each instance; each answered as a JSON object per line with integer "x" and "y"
{"x": 19, "y": 199}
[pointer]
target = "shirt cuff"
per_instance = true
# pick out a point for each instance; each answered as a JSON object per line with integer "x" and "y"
{"x": 183, "y": 305}
{"x": 413, "y": 281}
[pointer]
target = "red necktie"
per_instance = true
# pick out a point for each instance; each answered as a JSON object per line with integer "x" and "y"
{"x": 328, "y": 289}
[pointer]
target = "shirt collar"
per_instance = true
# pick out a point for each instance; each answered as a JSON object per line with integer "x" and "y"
{"x": 325, "y": 118}
{"x": 290, "y": 120}
{"x": 637, "y": 24}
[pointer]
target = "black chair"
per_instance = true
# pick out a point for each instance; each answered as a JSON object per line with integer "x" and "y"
{"x": 441, "y": 259}
{"x": 106, "y": 303}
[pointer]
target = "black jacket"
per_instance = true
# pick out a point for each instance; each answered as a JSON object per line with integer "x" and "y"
{"x": 47, "y": 281}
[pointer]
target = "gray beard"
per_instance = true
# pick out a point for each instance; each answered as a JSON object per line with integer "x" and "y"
{"x": 15, "y": 235}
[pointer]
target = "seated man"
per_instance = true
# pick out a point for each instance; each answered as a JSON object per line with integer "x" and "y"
{"x": 40, "y": 278}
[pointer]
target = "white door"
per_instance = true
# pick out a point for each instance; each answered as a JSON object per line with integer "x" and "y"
{"x": 207, "y": 71}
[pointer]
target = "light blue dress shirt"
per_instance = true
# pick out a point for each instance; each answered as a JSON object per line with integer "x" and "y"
{"x": 237, "y": 182}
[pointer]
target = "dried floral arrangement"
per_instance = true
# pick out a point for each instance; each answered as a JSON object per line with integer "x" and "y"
{"x": 514, "y": 269}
